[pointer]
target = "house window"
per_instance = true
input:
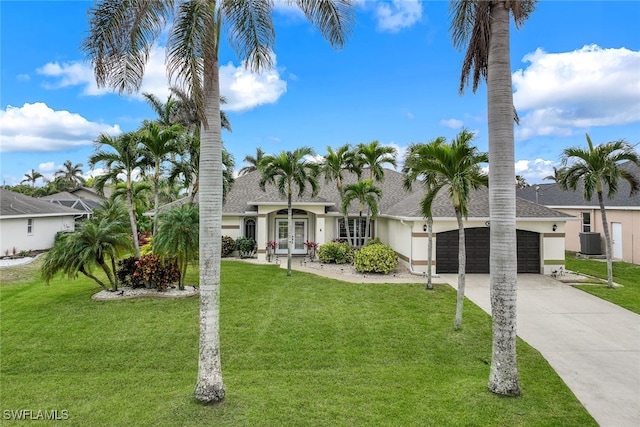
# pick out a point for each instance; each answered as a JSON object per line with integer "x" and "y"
{"x": 30, "y": 226}
{"x": 586, "y": 222}
{"x": 250, "y": 228}
{"x": 356, "y": 224}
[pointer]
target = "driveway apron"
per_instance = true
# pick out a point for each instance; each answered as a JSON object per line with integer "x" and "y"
{"x": 593, "y": 345}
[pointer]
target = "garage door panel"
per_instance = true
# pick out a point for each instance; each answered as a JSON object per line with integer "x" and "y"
{"x": 477, "y": 244}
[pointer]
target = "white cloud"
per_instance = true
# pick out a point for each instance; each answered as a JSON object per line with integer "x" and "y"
{"x": 398, "y": 14}
{"x": 47, "y": 167}
{"x": 243, "y": 89}
{"x": 592, "y": 86}
{"x": 534, "y": 171}
{"x": 452, "y": 123}
{"x": 37, "y": 127}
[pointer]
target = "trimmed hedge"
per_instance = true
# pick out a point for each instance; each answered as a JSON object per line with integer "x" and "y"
{"x": 335, "y": 252}
{"x": 376, "y": 258}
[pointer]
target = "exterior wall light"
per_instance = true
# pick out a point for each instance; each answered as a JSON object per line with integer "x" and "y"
{"x": 554, "y": 227}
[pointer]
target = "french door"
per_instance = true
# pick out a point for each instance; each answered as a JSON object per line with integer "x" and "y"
{"x": 299, "y": 236}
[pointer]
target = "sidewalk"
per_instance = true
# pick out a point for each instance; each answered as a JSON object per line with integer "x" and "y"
{"x": 593, "y": 345}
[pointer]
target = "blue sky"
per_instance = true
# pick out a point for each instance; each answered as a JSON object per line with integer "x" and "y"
{"x": 576, "y": 70}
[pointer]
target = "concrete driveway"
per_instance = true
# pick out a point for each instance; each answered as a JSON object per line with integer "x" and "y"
{"x": 592, "y": 344}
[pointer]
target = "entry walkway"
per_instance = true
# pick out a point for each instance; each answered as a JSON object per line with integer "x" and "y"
{"x": 593, "y": 345}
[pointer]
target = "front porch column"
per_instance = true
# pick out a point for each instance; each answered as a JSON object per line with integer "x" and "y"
{"x": 262, "y": 237}
{"x": 320, "y": 229}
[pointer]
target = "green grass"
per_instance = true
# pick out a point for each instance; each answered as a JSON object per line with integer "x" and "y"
{"x": 296, "y": 351}
{"x": 624, "y": 273}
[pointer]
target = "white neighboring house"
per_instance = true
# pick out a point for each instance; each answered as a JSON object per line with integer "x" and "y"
{"x": 262, "y": 215}
{"x": 27, "y": 223}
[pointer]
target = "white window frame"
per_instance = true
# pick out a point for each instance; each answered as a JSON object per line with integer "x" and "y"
{"x": 30, "y": 226}
{"x": 586, "y": 226}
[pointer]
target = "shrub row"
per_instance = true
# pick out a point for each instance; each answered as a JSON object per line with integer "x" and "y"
{"x": 375, "y": 257}
{"x": 148, "y": 272}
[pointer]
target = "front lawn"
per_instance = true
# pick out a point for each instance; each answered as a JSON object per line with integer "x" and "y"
{"x": 624, "y": 273}
{"x": 298, "y": 351}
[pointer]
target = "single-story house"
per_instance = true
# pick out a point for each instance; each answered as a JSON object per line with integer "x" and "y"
{"x": 27, "y": 223}
{"x": 623, "y": 217}
{"x": 81, "y": 198}
{"x": 250, "y": 212}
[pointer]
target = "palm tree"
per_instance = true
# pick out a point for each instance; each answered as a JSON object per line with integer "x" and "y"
{"x": 178, "y": 236}
{"x": 521, "y": 182}
{"x": 253, "y": 162}
{"x": 71, "y": 174}
{"x": 96, "y": 240}
{"x": 597, "y": 168}
{"x": 334, "y": 166}
{"x": 120, "y": 37}
{"x": 290, "y": 170}
{"x": 456, "y": 167}
{"x": 374, "y": 156}
{"x": 158, "y": 143}
{"x": 32, "y": 178}
{"x": 367, "y": 195}
{"x": 166, "y": 111}
{"x": 556, "y": 176}
{"x": 187, "y": 112}
{"x": 413, "y": 170}
{"x": 482, "y": 28}
{"x": 123, "y": 158}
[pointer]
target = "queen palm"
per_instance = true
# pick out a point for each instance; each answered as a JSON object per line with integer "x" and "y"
{"x": 367, "y": 196}
{"x": 70, "y": 173}
{"x": 482, "y": 28}
{"x": 32, "y": 177}
{"x": 252, "y": 161}
{"x": 374, "y": 156}
{"x": 334, "y": 166}
{"x": 290, "y": 172}
{"x": 178, "y": 236}
{"x": 413, "y": 170}
{"x": 158, "y": 143}
{"x": 121, "y": 34}
{"x": 597, "y": 169}
{"x": 455, "y": 168}
{"x": 120, "y": 155}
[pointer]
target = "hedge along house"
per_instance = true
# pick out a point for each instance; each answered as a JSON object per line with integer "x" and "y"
{"x": 262, "y": 216}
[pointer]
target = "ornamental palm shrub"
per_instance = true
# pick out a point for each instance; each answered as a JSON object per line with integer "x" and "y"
{"x": 336, "y": 252}
{"x": 376, "y": 258}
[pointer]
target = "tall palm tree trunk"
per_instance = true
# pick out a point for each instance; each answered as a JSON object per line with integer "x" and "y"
{"x": 346, "y": 215}
{"x": 290, "y": 232}
{"x": 462, "y": 265}
{"x": 156, "y": 197}
{"x": 607, "y": 240}
{"x": 132, "y": 219}
{"x": 91, "y": 276}
{"x": 503, "y": 377}
{"x": 429, "y": 252}
{"x": 210, "y": 387}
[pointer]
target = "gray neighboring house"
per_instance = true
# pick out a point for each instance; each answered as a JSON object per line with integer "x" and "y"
{"x": 623, "y": 217}
{"x": 250, "y": 212}
{"x": 27, "y": 223}
{"x": 82, "y": 198}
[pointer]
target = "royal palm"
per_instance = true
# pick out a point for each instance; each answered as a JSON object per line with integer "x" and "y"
{"x": 334, "y": 166}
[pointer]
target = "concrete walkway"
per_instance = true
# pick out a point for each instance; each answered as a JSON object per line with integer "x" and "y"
{"x": 593, "y": 345}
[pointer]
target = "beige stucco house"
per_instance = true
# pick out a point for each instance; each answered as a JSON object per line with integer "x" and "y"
{"x": 27, "y": 223}
{"x": 250, "y": 212}
{"x": 623, "y": 217}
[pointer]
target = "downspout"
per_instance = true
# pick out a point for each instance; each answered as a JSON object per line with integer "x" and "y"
{"x": 411, "y": 270}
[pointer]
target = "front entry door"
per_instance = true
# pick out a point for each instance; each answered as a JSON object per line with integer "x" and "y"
{"x": 616, "y": 240}
{"x": 299, "y": 236}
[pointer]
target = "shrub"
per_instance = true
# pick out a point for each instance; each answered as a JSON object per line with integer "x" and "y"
{"x": 155, "y": 274}
{"x": 376, "y": 258}
{"x": 374, "y": 241}
{"x": 246, "y": 247}
{"x": 147, "y": 248}
{"x": 228, "y": 245}
{"x": 334, "y": 252}
{"x": 126, "y": 268}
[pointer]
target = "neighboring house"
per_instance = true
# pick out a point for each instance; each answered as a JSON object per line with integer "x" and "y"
{"x": 27, "y": 223}
{"x": 623, "y": 216}
{"x": 84, "y": 199}
{"x": 250, "y": 212}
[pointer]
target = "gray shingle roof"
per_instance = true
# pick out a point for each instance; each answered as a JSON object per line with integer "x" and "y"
{"x": 553, "y": 195}
{"x": 16, "y": 204}
{"x": 396, "y": 202}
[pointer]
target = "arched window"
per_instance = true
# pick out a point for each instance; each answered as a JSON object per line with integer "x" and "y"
{"x": 250, "y": 228}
